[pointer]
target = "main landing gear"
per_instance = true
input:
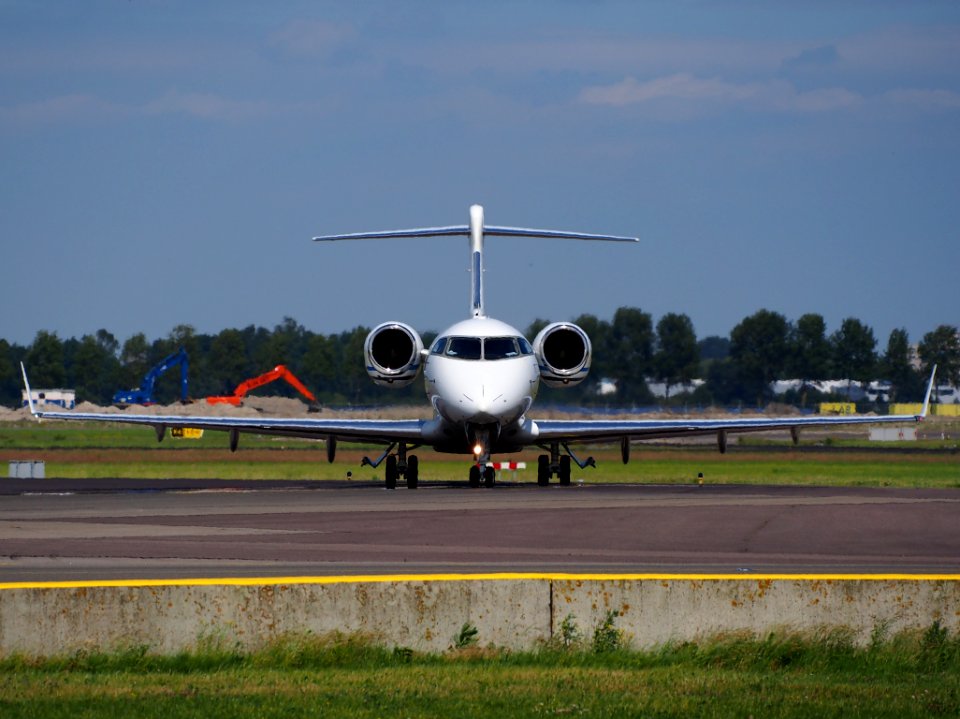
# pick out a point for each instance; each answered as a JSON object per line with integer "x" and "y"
{"x": 552, "y": 464}
{"x": 397, "y": 465}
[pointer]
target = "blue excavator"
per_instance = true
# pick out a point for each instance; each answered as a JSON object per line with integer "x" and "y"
{"x": 144, "y": 393}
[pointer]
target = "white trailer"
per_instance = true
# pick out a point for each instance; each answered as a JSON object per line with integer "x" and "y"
{"x": 66, "y": 398}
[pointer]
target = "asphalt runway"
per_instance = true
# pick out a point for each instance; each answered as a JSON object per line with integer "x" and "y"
{"x": 130, "y": 529}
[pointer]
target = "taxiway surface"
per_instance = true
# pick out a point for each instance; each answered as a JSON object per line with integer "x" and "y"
{"x": 151, "y": 529}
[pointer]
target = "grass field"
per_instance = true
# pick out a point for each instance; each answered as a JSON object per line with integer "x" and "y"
{"x": 91, "y": 450}
{"x": 776, "y": 676}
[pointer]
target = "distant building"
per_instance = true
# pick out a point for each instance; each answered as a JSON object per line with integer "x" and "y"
{"x": 66, "y": 398}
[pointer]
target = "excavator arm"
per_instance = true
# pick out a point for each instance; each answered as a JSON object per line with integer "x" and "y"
{"x": 278, "y": 372}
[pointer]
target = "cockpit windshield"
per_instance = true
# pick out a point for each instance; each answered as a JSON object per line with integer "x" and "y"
{"x": 488, "y": 348}
{"x": 465, "y": 348}
{"x": 495, "y": 348}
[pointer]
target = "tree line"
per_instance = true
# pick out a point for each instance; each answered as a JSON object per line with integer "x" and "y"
{"x": 629, "y": 350}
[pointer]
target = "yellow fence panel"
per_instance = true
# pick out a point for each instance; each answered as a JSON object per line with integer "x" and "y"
{"x": 906, "y": 408}
{"x": 838, "y": 408}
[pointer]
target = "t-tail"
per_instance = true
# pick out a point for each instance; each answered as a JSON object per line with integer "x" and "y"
{"x": 475, "y": 231}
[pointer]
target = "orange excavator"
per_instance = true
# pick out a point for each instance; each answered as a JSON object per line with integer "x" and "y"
{"x": 278, "y": 372}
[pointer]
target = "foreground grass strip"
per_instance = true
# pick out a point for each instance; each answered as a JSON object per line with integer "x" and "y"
{"x": 659, "y": 468}
{"x": 777, "y": 676}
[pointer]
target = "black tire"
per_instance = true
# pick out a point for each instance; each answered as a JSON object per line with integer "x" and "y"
{"x": 391, "y": 472}
{"x": 413, "y": 471}
{"x": 489, "y": 476}
{"x": 564, "y": 473}
{"x": 474, "y": 476}
{"x": 543, "y": 470}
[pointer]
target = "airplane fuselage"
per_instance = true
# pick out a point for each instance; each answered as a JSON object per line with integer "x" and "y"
{"x": 481, "y": 378}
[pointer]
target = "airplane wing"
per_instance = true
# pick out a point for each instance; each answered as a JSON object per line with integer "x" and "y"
{"x": 374, "y": 431}
{"x": 618, "y": 430}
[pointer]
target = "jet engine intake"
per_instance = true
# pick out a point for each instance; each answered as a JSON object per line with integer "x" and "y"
{"x": 392, "y": 354}
{"x": 563, "y": 352}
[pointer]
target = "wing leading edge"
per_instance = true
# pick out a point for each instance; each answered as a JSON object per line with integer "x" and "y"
{"x": 613, "y": 430}
{"x": 374, "y": 431}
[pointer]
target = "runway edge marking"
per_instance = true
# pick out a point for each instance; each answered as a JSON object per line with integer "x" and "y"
{"x": 501, "y": 576}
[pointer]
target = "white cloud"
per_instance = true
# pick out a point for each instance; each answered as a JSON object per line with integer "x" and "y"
{"x": 206, "y": 106}
{"x": 693, "y": 91}
{"x": 820, "y": 100}
{"x": 682, "y": 86}
{"x": 929, "y": 99}
{"x": 311, "y": 38}
{"x": 71, "y": 107}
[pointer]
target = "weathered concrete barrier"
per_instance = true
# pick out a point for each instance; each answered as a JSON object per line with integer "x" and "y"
{"x": 427, "y": 612}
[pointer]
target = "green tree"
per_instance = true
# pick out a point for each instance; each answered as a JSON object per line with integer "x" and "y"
{"x": 810, "y": 354}
{"x": 286, "y": 345}
{"x": 809, "y": 348}
{"x": 227, "y": 361}
{"x": 45, "y": 361}
{"x": 355, "y": 384}
{"x": 134, "y": 358}
{"x": 854, "y": 351}
{"x": 631, "y": 353}
{"x": 95, "y": 369}
{"x": 677, "y": 357}
{"x": 319, "y": 364}
{"x": 10, "y": 382}
{"x": 896, "y": 367}
{"x": 941, "y": 347}
{"x": 759, "y": 350}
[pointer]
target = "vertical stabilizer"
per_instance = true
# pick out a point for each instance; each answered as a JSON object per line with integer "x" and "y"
{"x": 930, "y": 386}
{"x": 26, "y": 384}
{"x": 476, "y": 261}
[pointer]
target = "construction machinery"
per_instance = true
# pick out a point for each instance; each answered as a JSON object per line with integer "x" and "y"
{"x": 278, "y": 372}
{"x": 144, "y": 393}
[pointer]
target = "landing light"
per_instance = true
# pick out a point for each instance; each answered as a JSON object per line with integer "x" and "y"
{"x": 478, "y": 449}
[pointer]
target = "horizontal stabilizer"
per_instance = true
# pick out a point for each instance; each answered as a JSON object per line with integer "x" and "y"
{"x": 464, "y": 230}
{"x": 492, "y": 230}
{"x": 390, "y": 234}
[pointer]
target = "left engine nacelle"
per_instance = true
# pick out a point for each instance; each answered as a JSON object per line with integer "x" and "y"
{"x": 563, "y": 351}
{"x": 392, "y": 353}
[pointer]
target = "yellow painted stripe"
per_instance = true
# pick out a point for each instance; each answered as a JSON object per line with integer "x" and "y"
{"x": 502, "y": 576}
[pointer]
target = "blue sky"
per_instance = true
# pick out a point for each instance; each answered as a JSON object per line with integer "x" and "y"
{"x": 168, "y": 162}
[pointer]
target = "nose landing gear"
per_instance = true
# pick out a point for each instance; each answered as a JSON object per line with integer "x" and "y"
{"x": 478, "y": 473}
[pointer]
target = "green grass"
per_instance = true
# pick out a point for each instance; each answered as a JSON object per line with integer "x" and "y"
{"x": 101, "y": 435}
{"x": 666, "y": 470}
{"x": 775, "y": 676}
{"x": 134, "y": 452}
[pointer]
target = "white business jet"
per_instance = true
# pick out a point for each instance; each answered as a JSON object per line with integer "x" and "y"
{"x": 482, "y": 377}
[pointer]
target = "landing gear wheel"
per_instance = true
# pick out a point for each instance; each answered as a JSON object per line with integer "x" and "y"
{"x": 474, "y": 476}
{"x": 413, "y": 471}
{"x": 564, "y": 473}
{"x": 489, "y": 476}
{"x": 543, "y": 470}
{"x": 391, "y": 472}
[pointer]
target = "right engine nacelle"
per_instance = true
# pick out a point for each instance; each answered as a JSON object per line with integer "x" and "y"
{"x": 563, "y": 351}
{"x": 392, "y": 354}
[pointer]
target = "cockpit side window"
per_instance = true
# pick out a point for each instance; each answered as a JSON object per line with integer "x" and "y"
{"x": 495, "y": 348}
{"x": 464, "y": 348}
{"x": 439, "y": 346}
{"x": 525, "y": 348}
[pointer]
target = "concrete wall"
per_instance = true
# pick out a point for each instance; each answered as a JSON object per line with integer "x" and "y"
{"x": 427, "y": 613}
